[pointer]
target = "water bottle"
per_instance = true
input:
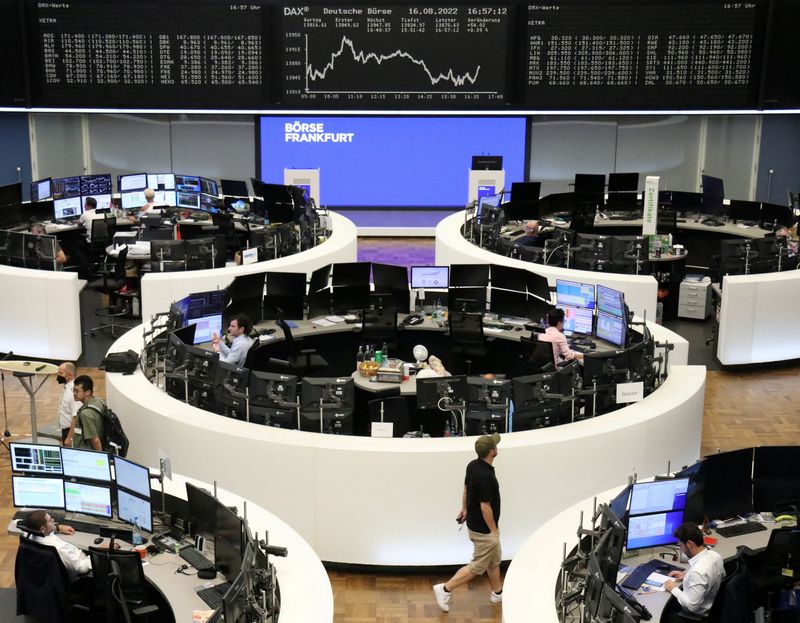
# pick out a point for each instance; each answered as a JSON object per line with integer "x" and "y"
{"x": 137, "y": 533}
{"x": 360, "y": 356}
{"x": 385, "y": 351}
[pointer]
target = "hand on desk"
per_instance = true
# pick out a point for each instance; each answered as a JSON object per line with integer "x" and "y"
{"x": 63, "y": 529}
{"x": 677, "y": 574}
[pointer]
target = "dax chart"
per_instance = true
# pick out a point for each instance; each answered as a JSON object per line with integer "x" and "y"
{"x": 395, "y": 55}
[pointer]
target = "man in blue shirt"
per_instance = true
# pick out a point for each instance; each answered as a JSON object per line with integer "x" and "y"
{"x": 238, "y": 330}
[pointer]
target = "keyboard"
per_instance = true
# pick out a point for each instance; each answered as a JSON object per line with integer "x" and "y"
{"x": 637, "y": 577}
{"x": 740, "y": 528}
{"x": 195, "y": 558}
{"x": 214, "y": 594}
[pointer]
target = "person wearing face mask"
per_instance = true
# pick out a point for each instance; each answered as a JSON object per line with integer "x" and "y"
{"x": 236, "y": 353}
{"x": 695, "y": 589}
{"x": 67, "y": 406}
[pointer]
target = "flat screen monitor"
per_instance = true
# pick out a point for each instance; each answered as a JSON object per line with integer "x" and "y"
{"x": 133, "y": 181}
{"x": 469, "y": 275}
{"x": 164, "y": 198}
{"x": 487, "y": 163}
{"x": 610, "y": 301}
{"x": 388, "y": 277}
{"x": 727, "y": 483}
{"x": 96, "y": 185}
{"x": 103, "y": 201}
{"x": 776, "y": 479}
{"x": 202, "y": 509}
{"x": 228, "y": 542}
{"x": 42, "y": 189}
{"x": 619, "y": 505}
{"x": 467, "y": 299}
{"x": 509, "y": 303}
{"x": 210, "y": 203}
{"x": 81, "y": 497}
{"x": 32, "y": 492}
{"x": 161, "y": 181}
{"x": 430, "y": 276}
{"x": 330, "y": 390}
{"x": 187, "y": 200}
{"x": 11, "y": 194}
{"x": 740, "y": 210}
{"x": 35, "y": 458}
{"x": 205, "y": 327}
{"x": 623, "y": 182}
{"x": 653, "y": 530}
{"x": 612, "y": 329}
{"x": 38, "y": 211}
{"x": 134, "y": 510}
{"x": 71, "y": 208}
{"x": 575, "y": 294}
{"x": 525, "y": 191}
{"x": 431, "y": 391}
{"x": 590, "y": 183}
{"x": 773, "y": 215}
{"x": 10, "y": 215}
{"x": 86, "y": 464}
{"x": 66, "y": 187}
{"x": 187, "y": 184}
{"x": 509, "y": 278}
{"x": 488, "y": 393}
{"x": 273, "y": 390}
{"x": 132, "y": 200}
{"x": 208, "y": 187}
{"x": 577, "y": 320}
{"x": 234, "y": 188}
{"x": 659, "y": 496}
{"x": 234, "y": 602}
{"x": 350, "y": 274}
{"x": 712, "y": 186}
{"x": 240, "y": 205}
{"x": 132, "y": 476}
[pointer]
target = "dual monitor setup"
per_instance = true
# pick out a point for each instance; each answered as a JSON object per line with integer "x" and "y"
{"x": 593, "y": 310}
{"x": 745, "y": 256}
{"x": 81, "y": 481}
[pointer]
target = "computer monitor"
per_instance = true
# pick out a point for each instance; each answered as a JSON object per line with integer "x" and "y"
{"x": 96, "y": 185}
{"x": 240, "y": 205}
{"x": 187, "y": 183}
{"x": 727, "y": 483}
{"x": 210, "y": 203}
{"x": 86, "y": 464}
{"x": 575, "y": 294}
{"x": 10, "y": 215}
{"x": 525, "y": 191}
{"x": 610, "y": 301}
{"x": 432, "y": 392}
{"x": 38, "y": 211}
{"x": 488, "y": 393}
{"x": 509, "y": 303}
{"x": 132, "y": 476}
{"x": 187, "y": 200}
{"x": 577, "y": 320}
{"x": 286, "y": 294}
{"x": 776, "y": 483}
{"x": 234, "y": 602}
{"x": 68, "y": 208}
{"x": 486, "y": 162}
{"x": 389, "y": 278}
{"x": 167, "y": 250}
{"x": 619, "y": 505}
{"x": 469, "y": 275}
{"x": 350, "y": 274}
{"x": 134, "y": 510}
{"x": 320, "y": 279}
{"x": 430, "y": 277}
{"x": 33, "y": 492}
{"x": 712, "y": 186}
{"x": 594, "y": 246}
{"x": 748, "y": 211}
{"x": 272, "y": 390}
{"x": 206, "y": 327}
{"x": 202, "y": 509}
{"x": 467, "y": 299}
{"x": 623, "y": 182}
{"x": 629, "y": 248}
{"x": 161, "y": 181}
{"x": 234, "y": 188}
{"x": 331, "y": 391}
{"x": 132, "y": 200}
{"x": 509, "y": 278}
{"x": 774, "y": 215}
{"x": 537, "y": 400}
{"x": 132, "y": 181}
{"x": 35, "y": 458}
{"x": 228, "y": 538}
{"x": 653, "y": 530}
{"x": 524, "y": 202}
{"x": 201, "y": 364}
{"x": 592, "y": 588}
{"x": 42, "y": 189}
{"x": 81, "y": 497}
{"x": 612, "y": 329}
{"x": 590, "y": 183}
{"x": 659, "y": 496}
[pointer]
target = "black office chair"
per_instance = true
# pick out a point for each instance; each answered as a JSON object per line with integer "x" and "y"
{"x": 43, "y": 585}
{"x": 391, "y": 409}
{"x": 466, "y": 336}
{"x": 121, "y": 589}
{"x": 110, "y": 283}
{"x": 299, "y": 361}
{"x": 732, "y": 602}
{"x": 103, "y": 230}
{"x": 537, "y": 355}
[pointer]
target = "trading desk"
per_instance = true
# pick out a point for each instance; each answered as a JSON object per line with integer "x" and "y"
{"x": 348, "y": 497}
{"x": 306, "y": 593}
{"x": 531, "y": 580}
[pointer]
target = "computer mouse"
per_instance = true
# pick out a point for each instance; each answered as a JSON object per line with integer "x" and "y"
{"x": 98, "y": 540}
{"x": 415, "y": 320}
{"x": 592, "y": 345}
{"x": 517, "y": 328}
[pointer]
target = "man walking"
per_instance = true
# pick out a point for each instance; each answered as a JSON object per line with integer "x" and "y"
{"x": 480, "y": 508}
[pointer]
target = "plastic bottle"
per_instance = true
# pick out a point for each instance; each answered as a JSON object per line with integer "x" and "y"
{"x": 385, "y": 351}
{"x": 379, "y": 356}
{"x": 360, "y": 356}
{"x": 137, "y": 533}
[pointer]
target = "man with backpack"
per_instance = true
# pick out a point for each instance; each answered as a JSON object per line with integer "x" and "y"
{"x": 89, "y": 427}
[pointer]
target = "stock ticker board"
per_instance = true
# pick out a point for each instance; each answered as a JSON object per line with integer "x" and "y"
{"x": 421, "y": 55}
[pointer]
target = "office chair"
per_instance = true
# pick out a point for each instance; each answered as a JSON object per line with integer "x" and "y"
{"x": 300, "y": 362}
{"x": 466, "y": 336}
{"x": 732, "y": 602}
{"x": 391, "y": 409}
{"x": 537, "y": 355}
{"x": 110, "y": 284}
{"x": 121, "y": 589}
{"x": 43, "y": 585}
{"x": 103, "y": 230}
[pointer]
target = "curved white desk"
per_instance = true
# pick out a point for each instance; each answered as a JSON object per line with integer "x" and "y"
{"x": 452, "y": 248}
{"x": 159, "y": 290}
{"x": 40, "y": 314}
{"x": 391, "y": 502}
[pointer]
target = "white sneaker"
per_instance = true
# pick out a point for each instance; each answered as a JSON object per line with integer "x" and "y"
{"x": 442, "y": 597}
{"x": 495, "y": 598}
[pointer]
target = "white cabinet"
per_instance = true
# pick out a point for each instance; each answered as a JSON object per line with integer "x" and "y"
{"x": 695, "y": 299}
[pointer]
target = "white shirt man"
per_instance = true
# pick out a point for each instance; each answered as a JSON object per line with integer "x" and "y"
{"x": 67, "y": 406}
{"x": 701, "y": 581}
{"x": 236, "y": 353}
{"x": 76, "y": 562}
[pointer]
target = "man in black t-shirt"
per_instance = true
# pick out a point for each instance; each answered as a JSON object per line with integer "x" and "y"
{"x": 480, "y": 508}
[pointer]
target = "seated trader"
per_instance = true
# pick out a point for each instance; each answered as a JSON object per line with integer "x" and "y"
{"x": 76, "y": 562}
{"x": 700, "y": 582}
{"x": 39, "y": 230}
{"x": 531, "y": 237}
{"x": 791, "y": 244}
{"x": 89, "y": 214}
{"x": 238, "y": 329}
{"x": 148, "y": 208}
{"x": 555, "y": 334}
{"x": 89, "y": 425}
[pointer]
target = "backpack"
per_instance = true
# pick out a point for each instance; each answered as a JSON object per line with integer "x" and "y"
{"x": 114, "y": 439}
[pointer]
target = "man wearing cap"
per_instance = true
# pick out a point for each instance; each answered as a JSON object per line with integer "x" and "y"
{"x": 480, "y": 508}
